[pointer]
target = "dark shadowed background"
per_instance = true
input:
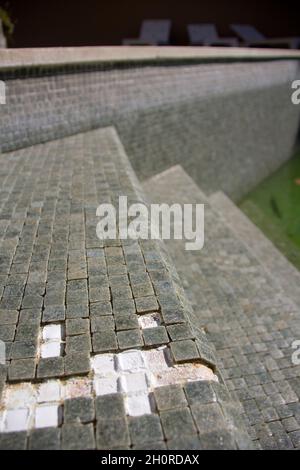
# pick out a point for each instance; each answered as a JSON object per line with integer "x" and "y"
{"x": 103, "y": 22}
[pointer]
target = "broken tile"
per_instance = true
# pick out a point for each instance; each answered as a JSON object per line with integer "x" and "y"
{"x": 149, "y": 320}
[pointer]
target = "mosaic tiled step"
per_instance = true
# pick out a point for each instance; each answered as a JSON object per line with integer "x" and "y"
{"x": 277, "y": 265}
{"x": 85, "y": 318}
{"x": 190, "y": 415}
{"x": 66, "y": 295}
{"x": 251, "y": 322}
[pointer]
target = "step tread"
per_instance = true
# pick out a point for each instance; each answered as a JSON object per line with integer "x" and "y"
{"x": 285, "y": 274}
{"x": 251, "y": 322}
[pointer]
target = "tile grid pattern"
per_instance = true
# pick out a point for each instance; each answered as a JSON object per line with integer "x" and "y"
{"x": 194, "y": 415}
{"x": 283, "y": 272}
{"x": 248, "y": 318}
{"x": 56, "y": 272}
{"x": 164, "y": 114}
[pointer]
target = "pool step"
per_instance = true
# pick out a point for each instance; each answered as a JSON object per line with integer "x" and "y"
{"x": 250, "y": 320}
{"x": 273, "y": 231}
{"x": 284, "y": 273}
{"x": 112, "y": 332}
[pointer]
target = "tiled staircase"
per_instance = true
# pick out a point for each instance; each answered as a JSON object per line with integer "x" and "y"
{"x": 103, "y": 349}
{"x": 126, "y": 344}
{"x": 245, "y": 295}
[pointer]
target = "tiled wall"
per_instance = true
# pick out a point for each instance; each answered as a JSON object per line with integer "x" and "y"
{"x": 229, "y": 125}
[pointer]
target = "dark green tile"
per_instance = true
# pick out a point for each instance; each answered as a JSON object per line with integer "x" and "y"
{"x": 104, "y": 341}
{"x": 177, "y": 422}
{"x": 79, "y": 409}
{"x": 169, "y": 396}
{"x": 110, "y": 406}
{"x": 129, "y": 339}
{"x": 155, "y": 336}
{"x": 78, "y": 437}
{"x": 144, "y": 429}
{"x": 185, "y": 350}
{"x": 21, "y": 369}
{"x": 182, "y": 331}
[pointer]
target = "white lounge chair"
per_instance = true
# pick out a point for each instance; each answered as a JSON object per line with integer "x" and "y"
{"x": 251, "y": 37}
{"x": 153, "y": 32}
{"x": 207, "y": 35}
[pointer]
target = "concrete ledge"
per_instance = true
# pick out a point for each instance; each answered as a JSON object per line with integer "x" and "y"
{"x": 15, "y": 58}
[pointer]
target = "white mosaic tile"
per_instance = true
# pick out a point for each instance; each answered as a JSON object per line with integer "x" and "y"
{"x": 103, "y": 364}
{"x": 134, "y": 382}
{"x": 129, "y": 361}
{"x": 104, "y": 386}
{"x": 50, "y": 349}
{"x": 16, "y": 419}
{"x": 51, "y": 332}
{"x": 138, "y": 404}
{"x": 46, "y": 416}
{"x": 134, "y": 373}
{"x": 49, "y": 391}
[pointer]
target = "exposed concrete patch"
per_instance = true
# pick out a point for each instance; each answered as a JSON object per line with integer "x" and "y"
{"x": 164, "y": 372}
{"x": 149, "y": 320}
{"x": 77, "y": 387}
{"x": 49, "y": 391}
{"x": 134, "y": 373}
